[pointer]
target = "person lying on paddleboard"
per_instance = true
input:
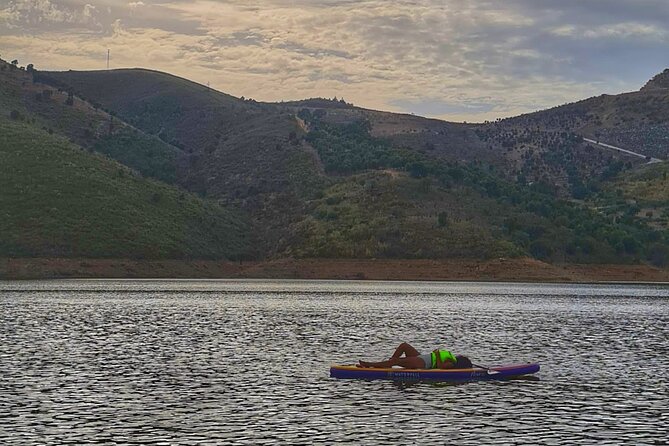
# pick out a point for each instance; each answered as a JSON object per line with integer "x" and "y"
{"x": 412, "y": 359}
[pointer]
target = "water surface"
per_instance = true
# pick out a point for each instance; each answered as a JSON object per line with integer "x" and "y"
{"x": 246, "y": 362}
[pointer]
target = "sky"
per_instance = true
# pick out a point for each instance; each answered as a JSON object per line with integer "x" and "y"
{"x": 460, "y": 60}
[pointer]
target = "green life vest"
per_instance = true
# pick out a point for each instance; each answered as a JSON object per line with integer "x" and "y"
{"x": 445, "y": 356}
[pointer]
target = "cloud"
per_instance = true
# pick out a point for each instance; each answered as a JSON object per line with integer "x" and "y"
{"x": 471, "y": 60}
{"x": 44, "y": 14}
{"x": 94, "y": 16}
{"x": 618, "y": 31}
{"x": 431, "y": 107}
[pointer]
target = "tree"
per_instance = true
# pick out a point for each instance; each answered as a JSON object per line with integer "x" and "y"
{"x": 417, "y": 169}
{"x": 456, "y": 173}
{"x": 425, "y": 185}
{"x": 630, "y": 245}
{"x": 540, "y": 250}
{"x": 658, "y": 255}
{"x": 30, "y": 68}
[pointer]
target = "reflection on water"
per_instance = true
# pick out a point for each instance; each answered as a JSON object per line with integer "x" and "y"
{"x": 247, "y": 362}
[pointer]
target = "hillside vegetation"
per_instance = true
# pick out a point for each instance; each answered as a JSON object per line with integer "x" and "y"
{"x": 659, "y": 82}
{"x": 86, "y": 125}
{"x": 243, "y": 153}
{"x": 642, "y": 193}
{"x": 323, "y": 178}
{"x": 637, "y": 121}
{"x": 545, "y": 146}
{"x": 389, "y": 214}
{"x": 421, "y": 206}
{"x": 59, "y": 200}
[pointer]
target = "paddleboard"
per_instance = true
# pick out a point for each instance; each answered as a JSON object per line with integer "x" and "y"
{"x": 400, "y": 374}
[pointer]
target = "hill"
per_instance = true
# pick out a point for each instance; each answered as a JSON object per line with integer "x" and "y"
{"x": 243, "y": 153}
{"x": 60, "y": 200}
{"x": 659, "y": 82}
{"x": 61, "y": 196}
{"x": 85, "y": 124}
{"x": 637, "y": 121}
{"x": 328, "y": 179}
{"x": 546, "y": 146}
{"x": 447, "y": 141}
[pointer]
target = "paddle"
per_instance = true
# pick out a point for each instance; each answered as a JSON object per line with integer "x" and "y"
{"x": 488, "y": 369}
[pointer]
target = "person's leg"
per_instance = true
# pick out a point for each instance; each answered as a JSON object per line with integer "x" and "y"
{"x": 406, "y": 350}
{"x": 411, "y": 362}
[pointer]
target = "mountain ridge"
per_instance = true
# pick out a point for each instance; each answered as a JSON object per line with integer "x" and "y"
{"x": 658, "y": 82}
{"x": 325, "y": 178}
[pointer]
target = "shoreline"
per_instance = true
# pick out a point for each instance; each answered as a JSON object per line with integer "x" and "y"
{"x": 495, "y": 270}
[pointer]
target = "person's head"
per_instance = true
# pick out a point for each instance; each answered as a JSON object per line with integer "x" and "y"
{"x": 462, "y": 362}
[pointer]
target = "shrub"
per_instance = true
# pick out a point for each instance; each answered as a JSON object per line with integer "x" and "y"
{"x": 658, "y": 255}
{"x": 540, "y": 250}
{"x": 417, "y": 169}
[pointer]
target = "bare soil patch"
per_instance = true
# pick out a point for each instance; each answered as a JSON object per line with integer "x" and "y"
{"x": 504, "y": 270}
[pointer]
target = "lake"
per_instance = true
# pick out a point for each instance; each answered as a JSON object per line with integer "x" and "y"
{"x": 247, "y": 362}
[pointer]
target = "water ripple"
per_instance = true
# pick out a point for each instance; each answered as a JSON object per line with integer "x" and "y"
{"x": 246, "y": 362}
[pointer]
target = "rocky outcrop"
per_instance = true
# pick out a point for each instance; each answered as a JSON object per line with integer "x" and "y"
{"x": 659, "y": 82}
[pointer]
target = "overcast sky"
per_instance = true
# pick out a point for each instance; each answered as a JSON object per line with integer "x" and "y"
{"x": 454, "y": 59}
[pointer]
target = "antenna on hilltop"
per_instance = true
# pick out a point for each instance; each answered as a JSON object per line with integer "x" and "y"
{"x": 107, "y": 58}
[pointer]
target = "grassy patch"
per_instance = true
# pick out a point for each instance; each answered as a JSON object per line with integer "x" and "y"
{"x": 60, "y": 200}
